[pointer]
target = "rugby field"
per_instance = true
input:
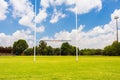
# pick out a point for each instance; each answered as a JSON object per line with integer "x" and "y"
{"x": 59, "y": 68}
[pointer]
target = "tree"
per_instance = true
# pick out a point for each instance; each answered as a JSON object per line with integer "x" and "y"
{"x": 19, "y": 46}
{"x": 28, "y": 51}
{"x": 116, "y": 48}
{"x": 108, "y": 50}
{"x": 90, "y": 52}
{"x": 98, "y": 51}
{"x": 5, "y": 50}
{"x": 67, "y": 49}
{"x": 48, "y": 50}
{"x": 73, "y": 50}
{"x": 57, "y": 51}
{"x": 41, "y": 48}
{"x": 112, "y": 50}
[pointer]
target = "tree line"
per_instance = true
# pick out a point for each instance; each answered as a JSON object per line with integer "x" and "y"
{"x": 6, "y": 50}
{"x": 20, "y": 47}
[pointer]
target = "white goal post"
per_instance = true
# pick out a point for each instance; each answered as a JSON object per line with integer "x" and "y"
{"x": 35, "y": 8}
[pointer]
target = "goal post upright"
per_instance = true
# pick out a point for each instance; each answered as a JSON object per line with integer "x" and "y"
{"x": 35, "y": 31}
{"x": 76, "y": 32}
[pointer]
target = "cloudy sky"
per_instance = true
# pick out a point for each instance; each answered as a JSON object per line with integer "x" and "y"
{"x": 56, "y": 19}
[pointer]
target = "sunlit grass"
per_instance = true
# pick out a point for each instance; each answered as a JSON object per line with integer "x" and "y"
{"x": 59, "y": 68}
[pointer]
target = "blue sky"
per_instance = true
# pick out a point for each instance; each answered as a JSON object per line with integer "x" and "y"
{"x": 56, "y": 19}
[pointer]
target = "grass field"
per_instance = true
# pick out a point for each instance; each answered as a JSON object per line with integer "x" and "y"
{"x": 59, "y": 68}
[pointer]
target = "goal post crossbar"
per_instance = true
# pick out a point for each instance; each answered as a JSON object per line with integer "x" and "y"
{"x": 56, "y": 40}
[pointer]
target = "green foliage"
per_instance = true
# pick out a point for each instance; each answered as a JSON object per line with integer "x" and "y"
{"x": 91, "y": 52}
{"x": 116, "y": 48}
{"x": 28, "y": 51}
{"x": 73, "y": 50}
{"x": 48, "y": 50}
{"x": 5, "y": 50}
{"x": 108, "y": 50}
{"x": 19, "y": 46}
{"x": 112, "y": 50}
{"x": 67, "y": 49}
{"x": 57, "y": 51}
{"x": 41, "y": 48}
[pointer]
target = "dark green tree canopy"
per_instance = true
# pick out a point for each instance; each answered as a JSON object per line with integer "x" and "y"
{"x": 41, "y": 48}
{"x": 42, "y": 44}
{"x": 67, "y": 49}
{"x": 112, "y": 50}
{"x": 19, "y": 46}
{"x": 28, "y": 51}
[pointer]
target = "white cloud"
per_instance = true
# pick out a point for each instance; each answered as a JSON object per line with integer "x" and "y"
{"x": 48, "y": 3}
{"x": 115, "y": 13}
{"x": 44, "y": 3}
{"x": 59, "y": 2}
{"x": 8, "y": 40}
{"x": 27, "y": 20}
{"x": 41, "y": 16}
{"x": 23, "y": 9}
{"x": 98, "y": 37}
{"x": 95, "y": 38}
{"x": 56, "y": 16}
{"x": 40, "y": 29}
{"x": 3, "y": 9}
{"x": 85, "y": 6}
{"x": 70, "y": 2}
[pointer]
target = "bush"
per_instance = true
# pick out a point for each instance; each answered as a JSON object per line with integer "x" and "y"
{"x": 90, "y": 52}
{"x": 28, "y": 51}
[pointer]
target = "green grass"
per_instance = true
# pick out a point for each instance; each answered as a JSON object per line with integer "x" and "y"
{"x": 59, "y": 68}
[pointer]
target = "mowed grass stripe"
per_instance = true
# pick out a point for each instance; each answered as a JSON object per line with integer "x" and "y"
{"x": 59, "y": 68}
